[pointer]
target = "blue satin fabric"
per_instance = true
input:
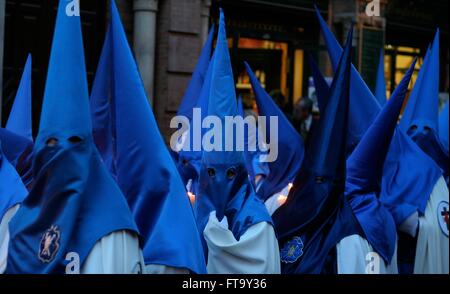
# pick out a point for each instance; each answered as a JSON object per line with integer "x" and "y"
{"x": 19, "y": 152}
{"x": 290, "y": 145}
{"x": 413, "y": 167}
{"x": 420, "y": 119}
{"x": 224, "y": 186}
{"x": 82, "y": 201}
{"x": 12, "y": 189}
{"x": 316, "y": 211}
{"x": 253, "y": 163}
{"x": 365, "y": 171}
{"x": 19, "y": 120}
{"x": 74, "y": 202}
{"x": 321, "y": 85}
{"x": 143, "y": 167}
{"x": 407, "y": 182}
{"x": 443, "y": 126}
{"x": 380, "y": 89}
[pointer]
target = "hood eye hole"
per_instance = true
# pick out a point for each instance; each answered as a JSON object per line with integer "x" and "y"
{"x": 427, "y": 130}
{"x": 414, "y": 128}
{"x": 75, "y": 140}
{"x": 231, "y": 173}
{"x": 211, "y": 172}
{"x": 52, "y": 142}
{"x": 319, "y": 180}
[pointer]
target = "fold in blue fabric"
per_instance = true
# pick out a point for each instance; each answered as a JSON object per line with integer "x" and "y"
{"x": 365, "y": 171}
{"x": 142, "y": 164}
{"x": 74, "y": 202}
{"x": 20, "y": 117}
{"x": 224, "y": 186}
{"x": 290, "y": 145}
{"x": 316, "y": 215}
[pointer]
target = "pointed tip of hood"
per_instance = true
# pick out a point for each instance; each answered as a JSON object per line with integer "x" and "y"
{"x": 380, "y": 90}
{"x": 66, "y": 99}
{"x": 365, "y": 165}
{"x": 423, "y": 105}
{"x": 20, "y": 117}
{"x": 222, "y": 98}
{"x": 328, "y": 145}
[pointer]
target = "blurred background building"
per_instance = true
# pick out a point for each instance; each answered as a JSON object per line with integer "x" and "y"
{"x": 274, "y": 36}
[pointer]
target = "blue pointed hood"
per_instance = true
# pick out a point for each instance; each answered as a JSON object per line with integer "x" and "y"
{"x": 423, "y": 104}
{"x": 321, "y": 85}
{"x": 290, "y": 145}
{"x": 18, "y": 151}
{"x": 443, "y": 126}
{"x": 224, "y": 186}
{"x": 364, "y": 107}
{"x": 189, "y": 161}
{"x": 194, "y": 88}
{"x": 74, "y": 202}
{"x": 316, "y": 216}
{"x": 420, "y": 118}
{"x": 253, "y": 163}
{"x": 19, "y": 120}
{"x": 365, "y": 171}
{"x": 149, "y": 180}
{"x": 12, "y": 189}
{"x": 380, "y": 90}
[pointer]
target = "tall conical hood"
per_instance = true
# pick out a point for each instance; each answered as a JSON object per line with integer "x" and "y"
{"x": 443, "y": 126}
{"x": 321, "y": 85}
{"x": 363, "y": 105}
{"x": 365, "y": 165}
{"x": 19, "y": 120}
{"x": 66, "y": 78}
{"x": 420, "y": 119}
{"x": 326, "y": 160}
{"x": 145, "y": 170}
{"x": 365, "y": 171}
{"x": 222, "y": 98}
{"x": 290, "y": 145}
{"x": 192, "y": 93}
{"x": 224, "y": 186}
{"x": 380, "y": 90}
{"x": 423, "y": 105}
{"x": 73, "y": 202}
{"x": 316, "y": 216}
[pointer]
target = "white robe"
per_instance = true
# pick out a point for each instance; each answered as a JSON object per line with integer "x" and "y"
{"x": 256, "y": 252}
{"x": 116, "y": 253}
{"x": 356, "y": 256}
{"x": 432, "y": 252}
{"x": 4, "y": 237}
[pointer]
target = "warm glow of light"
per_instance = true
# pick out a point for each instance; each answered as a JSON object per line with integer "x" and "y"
{"x": 290, "y": 186}
{"x": 282, "y": 199}
{"x": 191, "y": 197}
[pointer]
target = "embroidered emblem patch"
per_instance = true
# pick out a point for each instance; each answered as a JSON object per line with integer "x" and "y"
{"x": 292, "y": 250}
{"x": 49, "y": 245}
{"x": 442, "y": 214}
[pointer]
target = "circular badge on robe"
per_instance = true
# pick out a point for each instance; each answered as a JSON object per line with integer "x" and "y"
{"x": 49, "y": 245}
{"x": 292, "y": 250}
{"x": 442, "y": 214}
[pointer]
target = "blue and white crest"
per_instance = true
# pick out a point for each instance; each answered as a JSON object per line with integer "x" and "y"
{"x": 292, "y": 250}
{"x": 49, "y": 245}
{"x": 442, "y": 214}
